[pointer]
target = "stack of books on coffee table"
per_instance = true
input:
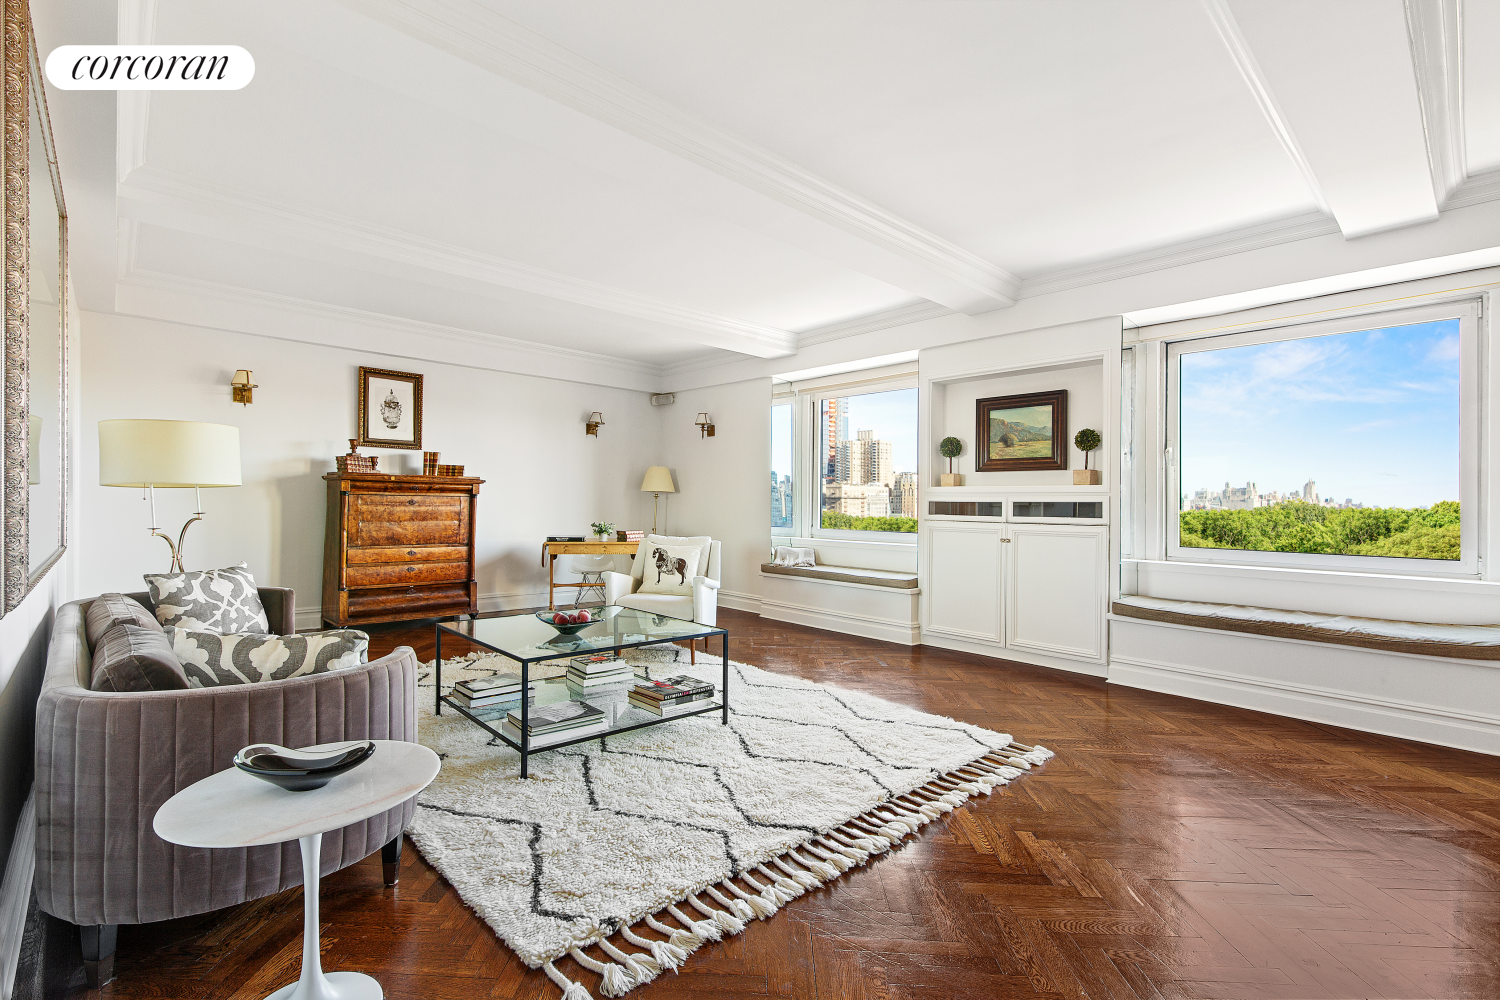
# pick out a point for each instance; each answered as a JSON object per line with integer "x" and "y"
{"x": 598, "y": 676}
{"x": 566, "y": 720}
{"x": 673, "y": 696}
{"x": 500, "y": 691}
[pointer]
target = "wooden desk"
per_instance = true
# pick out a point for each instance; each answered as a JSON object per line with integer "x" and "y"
{"x": 551, "y": 550}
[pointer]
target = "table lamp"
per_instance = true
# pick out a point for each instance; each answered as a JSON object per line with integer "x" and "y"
{"x": 172, "y": 454}
{"x": 658, "y": 481}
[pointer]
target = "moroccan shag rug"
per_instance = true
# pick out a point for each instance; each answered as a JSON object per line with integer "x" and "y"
{"x": 682, "y": 833}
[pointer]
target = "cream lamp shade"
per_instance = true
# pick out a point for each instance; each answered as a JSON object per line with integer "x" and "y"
{"x": 168, "y": 453}
{"x": 658, "y": 480}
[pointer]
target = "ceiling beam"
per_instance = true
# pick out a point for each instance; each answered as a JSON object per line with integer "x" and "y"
{"x": 1337, "y": 81}
{"x": 173, "y": 202}
{"x": 905, "y": 255}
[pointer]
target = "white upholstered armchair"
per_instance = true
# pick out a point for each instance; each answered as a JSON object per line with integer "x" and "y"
{"x": 702, "y": 606}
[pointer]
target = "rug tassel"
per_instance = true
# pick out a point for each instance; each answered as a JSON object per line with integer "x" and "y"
{"x": 769, "y": 898}
{"x": 704, "y": 930}
{"x": 738, "y": 907}
{"x": 642, "y": 968}
{"x": 840, "y": 863}
{"x": 855, "y": 854}
{"x": 785, "y": 887}
{"x": 728, "y": 922}
{"x": 571, "y": 990}
{"x": 820, "y": 868}
{"x": 666, "y": 954}
{"x": 805, "y": 879}
{"x": 616, "y": 982}
{"x": 760, "y": 906}
{"x": 684, "y": 940}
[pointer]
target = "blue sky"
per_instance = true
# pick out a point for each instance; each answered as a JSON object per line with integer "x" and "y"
{"x": 1371, "y": 416}
{"x": 891, "y": 415}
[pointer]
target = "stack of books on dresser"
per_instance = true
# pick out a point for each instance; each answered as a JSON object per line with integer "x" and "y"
{"x": 673, "y": 696}
{"x": 599, "y": 675}
{"x": 566, "y": 720}
{"x": 500, "y": 691}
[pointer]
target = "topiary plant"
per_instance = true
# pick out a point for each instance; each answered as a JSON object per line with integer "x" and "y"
{"x": 951, "y": 448}
{"x": 1086, "y": 441}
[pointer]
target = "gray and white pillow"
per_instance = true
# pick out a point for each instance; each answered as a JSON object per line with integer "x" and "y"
{"x": 214, "y": 660}
{"x": 216, "y": 600}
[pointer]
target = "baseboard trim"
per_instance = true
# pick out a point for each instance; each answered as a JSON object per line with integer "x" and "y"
{"x": 739, "y": 602}
{"x": 1092, "y": 668}
{"x": 15, "y": 894}
{"x": 1351, "y": 710}
{"x": 888, "y": 630}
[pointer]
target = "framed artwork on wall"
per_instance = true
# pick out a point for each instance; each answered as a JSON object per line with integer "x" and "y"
{"x": 390, "y": 409}
{"x": 1027, "y": 431}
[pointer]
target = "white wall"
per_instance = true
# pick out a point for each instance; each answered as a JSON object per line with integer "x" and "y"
{"x": 723, "y": 482}
{"x": 524, "y": 435}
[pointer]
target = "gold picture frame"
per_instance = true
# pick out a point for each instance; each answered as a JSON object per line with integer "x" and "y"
{"x": 390, "y": 409}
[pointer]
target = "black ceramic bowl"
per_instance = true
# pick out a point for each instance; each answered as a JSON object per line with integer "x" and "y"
{"x": 546, "y": 616}
{"x": 272, "y": 768}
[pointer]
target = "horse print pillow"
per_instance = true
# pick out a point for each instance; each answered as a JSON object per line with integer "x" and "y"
{"x": 217, "y": 600}
{"x": 670, "y": 570}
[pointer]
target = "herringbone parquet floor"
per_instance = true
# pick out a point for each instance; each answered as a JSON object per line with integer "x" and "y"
{"x": 1173, "y": 849}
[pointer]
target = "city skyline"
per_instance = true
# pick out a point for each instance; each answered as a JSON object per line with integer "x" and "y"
{"x": 1371, "y": 415}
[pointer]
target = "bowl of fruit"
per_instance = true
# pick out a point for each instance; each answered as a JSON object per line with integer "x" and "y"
{"x": 567, "y": 622}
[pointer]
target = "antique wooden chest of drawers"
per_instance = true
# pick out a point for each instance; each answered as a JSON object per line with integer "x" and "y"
{"x": 398, "y": 547}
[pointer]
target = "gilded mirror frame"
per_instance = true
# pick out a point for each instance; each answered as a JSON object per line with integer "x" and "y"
{"x": 20, "y": 85}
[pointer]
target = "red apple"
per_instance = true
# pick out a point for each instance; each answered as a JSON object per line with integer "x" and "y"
{"x": 583, "y": 617}
{"x": 560, "y": 618}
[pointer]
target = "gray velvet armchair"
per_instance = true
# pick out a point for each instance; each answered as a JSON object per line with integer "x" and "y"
{"x": 106, "y": 761}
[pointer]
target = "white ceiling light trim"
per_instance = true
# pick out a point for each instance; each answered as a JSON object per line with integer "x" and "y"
{"x": 1244, "y": 60}
{"x": 493, "y": 42}
{"x": 1339, "y": 80}
{"x": 177, "y": 202}
{"x": 1437, "y": 52}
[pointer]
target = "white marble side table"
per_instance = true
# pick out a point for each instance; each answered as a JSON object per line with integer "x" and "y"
{"x": 235, "y": 809}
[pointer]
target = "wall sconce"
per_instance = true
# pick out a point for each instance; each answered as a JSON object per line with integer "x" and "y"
{"x": 595, "y": 421}
{"x": 242, "y": 386}
{"x": 705, "y": 424}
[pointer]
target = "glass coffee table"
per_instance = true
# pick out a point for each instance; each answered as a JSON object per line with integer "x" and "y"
{"x": 527, "y": 640}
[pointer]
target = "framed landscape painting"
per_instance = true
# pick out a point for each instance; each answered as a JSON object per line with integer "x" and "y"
{"x": 390, "y": 408}
{"x": 1022, "y": 432}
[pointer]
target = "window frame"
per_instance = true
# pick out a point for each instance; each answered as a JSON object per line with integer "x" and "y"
{"x": 1472, "y": 530}
{"x": 811, "y": 507}
{"x": 789, "y": 400}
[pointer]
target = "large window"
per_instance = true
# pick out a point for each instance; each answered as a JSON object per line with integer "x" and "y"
{"x": 1344, "y": 443}
{"x": 783, "y": 455}
{"x": 866, "y": 457}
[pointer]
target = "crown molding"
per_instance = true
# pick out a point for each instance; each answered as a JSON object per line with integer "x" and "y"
{"x": 475, "y": 33}
{"x": 1435, "y": 31}
{"x": 135, "y": 24}
{"x": 1224, "y": 23}
{"x": 1476, "y": 190}
{"x": 916, "y": 312}
{"x": 1266, "y": 234}
{"x": 160, "y": 198}
{"x": 195, "y": 302}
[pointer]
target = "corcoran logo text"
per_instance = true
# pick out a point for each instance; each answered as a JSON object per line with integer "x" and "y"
{"x": 150, "y": 67}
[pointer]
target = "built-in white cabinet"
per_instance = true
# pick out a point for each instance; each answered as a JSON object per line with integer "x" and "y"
{"x": 1035, "y": 592}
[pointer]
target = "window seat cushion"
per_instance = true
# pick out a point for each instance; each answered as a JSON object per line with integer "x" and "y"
{"x": 846, "y": 574}
{"x": 1467, "y": 642}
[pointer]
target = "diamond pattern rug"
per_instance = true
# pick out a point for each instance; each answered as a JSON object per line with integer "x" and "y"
{"x": 629, "y": 851}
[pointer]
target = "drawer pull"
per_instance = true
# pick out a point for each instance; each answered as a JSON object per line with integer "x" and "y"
{"x": 411, "y": 552}
{"x": 411, "y": 502}
{"x": 411, "y": 569}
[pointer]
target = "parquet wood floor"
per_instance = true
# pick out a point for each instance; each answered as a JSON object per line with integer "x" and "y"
{"x": 1173, "y": 849}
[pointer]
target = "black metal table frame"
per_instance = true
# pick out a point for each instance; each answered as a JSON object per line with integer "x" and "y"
{"x": 524, "y": 747}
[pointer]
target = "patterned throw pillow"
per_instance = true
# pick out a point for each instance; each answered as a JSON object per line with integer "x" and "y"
{"x": 213, "y": 660}
{"x": 670, "y": 570}
{"x": 217, "y": 600}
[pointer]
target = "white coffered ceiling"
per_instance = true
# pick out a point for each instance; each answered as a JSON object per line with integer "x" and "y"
{"x": 664, "y": 182}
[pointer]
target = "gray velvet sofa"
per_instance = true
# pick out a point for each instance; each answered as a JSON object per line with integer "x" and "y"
{"x": 106, "y": 761}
